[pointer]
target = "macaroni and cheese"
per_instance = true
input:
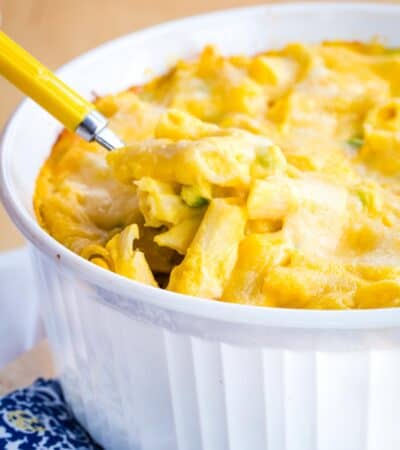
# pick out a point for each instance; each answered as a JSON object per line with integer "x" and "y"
{"x": 268, "y": 180}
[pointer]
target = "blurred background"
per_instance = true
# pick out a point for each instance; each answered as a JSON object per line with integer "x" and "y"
{"x": 57, "y": 30}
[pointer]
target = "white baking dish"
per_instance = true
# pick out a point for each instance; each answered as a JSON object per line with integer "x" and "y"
{"x": 147, "y": 369}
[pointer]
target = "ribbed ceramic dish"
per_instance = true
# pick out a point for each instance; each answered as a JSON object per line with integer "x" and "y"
{"x": 152, "y": 370}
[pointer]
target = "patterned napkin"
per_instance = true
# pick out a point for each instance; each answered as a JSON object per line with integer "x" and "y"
{"x": 37, "y": 417}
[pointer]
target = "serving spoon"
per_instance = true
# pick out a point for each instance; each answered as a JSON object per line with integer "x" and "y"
{"x": 46, "y": 89}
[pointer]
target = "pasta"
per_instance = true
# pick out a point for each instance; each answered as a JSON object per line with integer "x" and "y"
{"x": 268, "y": 180}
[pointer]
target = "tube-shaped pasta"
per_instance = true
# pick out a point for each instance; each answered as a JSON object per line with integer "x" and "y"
{"x": 127, "y": 261}
{"x": 98, "y": 255}
{"x": 220, "y": 160}
{"x": 256, "y": 253}
{"x": 212, "y": 254}
{"x": 175, "y": 125}
{"x": 381, "y": 149}
{"x": 179, "y": 236}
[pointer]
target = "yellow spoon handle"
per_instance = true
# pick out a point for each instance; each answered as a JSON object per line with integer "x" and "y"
{"x": 39, "y": 83}
{"x": 62, "y": 102}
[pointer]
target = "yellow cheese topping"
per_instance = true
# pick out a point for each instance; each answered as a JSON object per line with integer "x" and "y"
{"x": 270, "y": 180}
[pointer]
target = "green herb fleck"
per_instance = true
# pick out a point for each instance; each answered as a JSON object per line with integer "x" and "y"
{"x": 191, "y": 195}
{"x": 369, "y": 198}
{"x": 365, "y": 197}
{"x": 271, "y": 158}
{"x": 356, "y": 142}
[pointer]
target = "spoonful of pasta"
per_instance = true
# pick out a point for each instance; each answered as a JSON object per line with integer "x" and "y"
{"x": 46, "y": 89}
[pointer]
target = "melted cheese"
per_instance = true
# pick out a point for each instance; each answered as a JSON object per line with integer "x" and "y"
{"x": 269, "y": 180}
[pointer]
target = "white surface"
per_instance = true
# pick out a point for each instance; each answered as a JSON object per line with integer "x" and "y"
{"x": 20, "y": 325}
{"x": 149, "y": 369}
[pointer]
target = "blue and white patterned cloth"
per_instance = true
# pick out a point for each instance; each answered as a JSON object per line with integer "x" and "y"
{"x": 37, "y": 417}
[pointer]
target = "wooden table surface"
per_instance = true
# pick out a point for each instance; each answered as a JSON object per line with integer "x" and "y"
{"x": 56, "y": 31}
